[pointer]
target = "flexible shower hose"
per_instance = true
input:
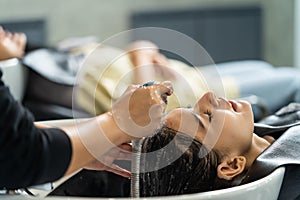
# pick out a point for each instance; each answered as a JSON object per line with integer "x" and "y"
{"x": 136, "y": 161}
{"x": 135, "y": 168}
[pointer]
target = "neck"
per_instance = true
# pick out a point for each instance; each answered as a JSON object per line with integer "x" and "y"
{"x": 259, "y": 144}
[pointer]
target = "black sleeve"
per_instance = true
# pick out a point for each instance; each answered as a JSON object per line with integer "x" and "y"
{"x": 28, "y": 155}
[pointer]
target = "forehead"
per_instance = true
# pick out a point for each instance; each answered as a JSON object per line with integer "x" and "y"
{"x": 176, "y": 115}
{"x": 172, "y": 117}
{"x": 182, "y": 120}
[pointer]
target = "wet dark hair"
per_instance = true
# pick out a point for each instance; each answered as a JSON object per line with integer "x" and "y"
{"x": 194, "y": 171}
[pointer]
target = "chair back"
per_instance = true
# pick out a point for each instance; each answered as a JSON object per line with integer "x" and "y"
{"x": 15, "y": 77}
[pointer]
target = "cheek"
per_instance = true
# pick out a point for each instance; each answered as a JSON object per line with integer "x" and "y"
{"x": 230, "y": 133}
{"x": 227, "y": 140}
{"x": 237, "y": 136}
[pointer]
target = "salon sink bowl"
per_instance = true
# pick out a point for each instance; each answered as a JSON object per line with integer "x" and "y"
{"x": 266, "y": 188}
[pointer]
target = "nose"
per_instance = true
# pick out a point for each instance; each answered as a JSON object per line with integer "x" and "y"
{"x": 206, "y": 102}
{"x": 211, "y": 97}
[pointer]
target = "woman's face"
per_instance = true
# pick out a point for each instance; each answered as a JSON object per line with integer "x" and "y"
{"x": 226, "y": 126}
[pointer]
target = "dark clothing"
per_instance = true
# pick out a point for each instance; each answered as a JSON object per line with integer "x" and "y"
{"x": 283, "y": 152}
{"x": 28, "y": 155}
{"x": 89, "y": 183}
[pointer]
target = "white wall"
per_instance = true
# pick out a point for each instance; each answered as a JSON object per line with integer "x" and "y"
{"x": 297, "y": 34}
{"x": 105, "y": 18}
{"x": 279, "y": 31}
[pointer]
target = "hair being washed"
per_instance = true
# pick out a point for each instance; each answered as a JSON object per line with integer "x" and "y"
{"x": 194, "y": 171}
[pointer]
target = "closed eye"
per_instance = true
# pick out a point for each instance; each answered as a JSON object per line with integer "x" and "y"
{"x": 207, "y": 112}
{"x": 197, "y": 118}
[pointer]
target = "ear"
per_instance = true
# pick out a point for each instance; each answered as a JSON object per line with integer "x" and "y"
{"x": 231, "y": 167}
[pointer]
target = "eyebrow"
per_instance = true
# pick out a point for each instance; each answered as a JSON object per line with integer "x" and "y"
{"x": 198, "y": 119}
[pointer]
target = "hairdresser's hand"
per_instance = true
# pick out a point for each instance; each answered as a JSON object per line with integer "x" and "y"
{"x": 145, "y": 53}
{"x": 12, "y": 45}
{"x": 123, "y": 152}
{"x": 139, "y": 110}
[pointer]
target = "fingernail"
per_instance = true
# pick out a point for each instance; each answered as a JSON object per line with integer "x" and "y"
{"x": 149, "y": 83}
{"x": 169, "y": 85}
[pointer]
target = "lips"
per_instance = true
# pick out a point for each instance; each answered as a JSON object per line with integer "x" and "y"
{"x": 233, "y": 105}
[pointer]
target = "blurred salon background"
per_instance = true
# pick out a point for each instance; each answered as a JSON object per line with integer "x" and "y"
{"x": 271, "y": 26}
{"x": 229, "y": 30}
